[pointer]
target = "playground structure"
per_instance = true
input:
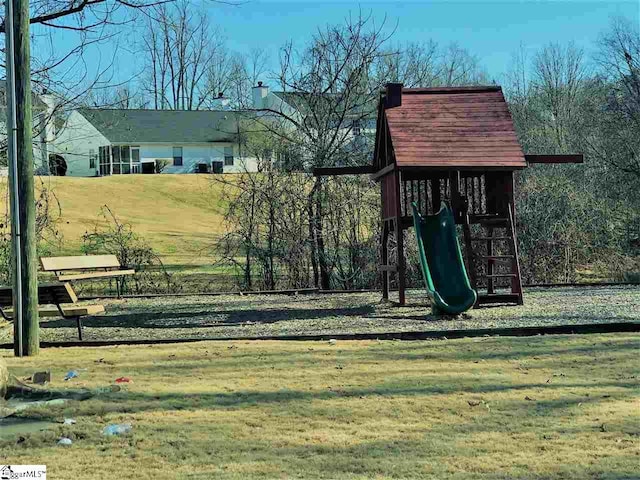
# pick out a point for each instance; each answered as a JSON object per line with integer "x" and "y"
{"x": 456, "y": 145}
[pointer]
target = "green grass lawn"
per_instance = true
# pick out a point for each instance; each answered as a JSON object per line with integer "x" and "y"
{"x": 494, "y": 408}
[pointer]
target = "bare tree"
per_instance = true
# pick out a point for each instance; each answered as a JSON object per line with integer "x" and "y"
{"x": 619, "y": 58}
{"x": 333, "y": 94}
{"x": 265, "y": 219}
{"x": 179, "y": 47}
{"x": 559, "y": 74}
{"x": 427, "y": 64}
{"x": 120, "y": 96}
{"x": 188, "y": 63}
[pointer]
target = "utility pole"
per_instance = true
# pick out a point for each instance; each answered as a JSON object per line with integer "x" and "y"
{"x": 23, "y": 206}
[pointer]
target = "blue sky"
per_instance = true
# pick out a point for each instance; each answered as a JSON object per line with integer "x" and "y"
{"x": 492, "y": 31}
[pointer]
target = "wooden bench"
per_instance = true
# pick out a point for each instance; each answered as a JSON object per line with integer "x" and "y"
{"x": 86, "y": 267}
{"x": 59, "y": 294}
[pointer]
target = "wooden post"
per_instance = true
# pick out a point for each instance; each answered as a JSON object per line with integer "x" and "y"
{"x": 399, "y": 232}
{"x": 401, "y": 275}
{"x": 24, "y": 174}
{"x": 435, "y": 194}
{"x": 490, "y": 261}
{"x": 385, "y": 260}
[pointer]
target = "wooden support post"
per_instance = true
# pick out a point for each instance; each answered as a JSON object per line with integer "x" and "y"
{"x": 456, "y": 204}
{"x": 516, "y": 282}
{"x": 435, "y": 194}
{"x": 490, "y": 262}
{"x": 471, "y": 264}
{"x": 399, "y": 232}
{"x": 24, "y": 174}
{"x": 385, "y": 259}
{"x": 400, "y": 261}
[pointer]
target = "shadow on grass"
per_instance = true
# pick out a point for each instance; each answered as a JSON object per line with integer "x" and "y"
{"x": 518, "y": 352}
{"x": 129, "y": 402}
{"x": 211, "y": 318}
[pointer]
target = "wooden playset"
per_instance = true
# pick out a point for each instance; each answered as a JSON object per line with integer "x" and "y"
{"x": 456, "y": 145}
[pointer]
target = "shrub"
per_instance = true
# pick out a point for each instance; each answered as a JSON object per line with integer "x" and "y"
{"x": 112, "y": 236}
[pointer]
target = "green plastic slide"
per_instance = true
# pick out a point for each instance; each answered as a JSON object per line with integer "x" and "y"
{"x": 442, "y": 264}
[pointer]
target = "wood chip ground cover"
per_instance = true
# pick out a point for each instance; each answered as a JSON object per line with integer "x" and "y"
{"x": 256, "y": 315}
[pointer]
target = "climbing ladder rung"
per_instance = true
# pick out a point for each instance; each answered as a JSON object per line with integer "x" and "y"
{"x": 497, "y": 257}
{"x": 388, "y": 268}
{"x": 484, "y": 299}
{"x": 501, "y": 275}
{"x": 491, "y": 221}
{"x": 482, "y": 239}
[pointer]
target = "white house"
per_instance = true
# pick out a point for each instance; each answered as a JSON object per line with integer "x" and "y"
{"x": 46, "y": 122}
{"x": 357, "y": 119}
{"x": 96, "y": 142}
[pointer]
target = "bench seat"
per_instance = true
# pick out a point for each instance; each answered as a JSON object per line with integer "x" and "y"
{"x": 61, "y": 295}
{"x": 87, "y": 267}
{"x": 88, "y": 275}
{"x": 68, "y": 310}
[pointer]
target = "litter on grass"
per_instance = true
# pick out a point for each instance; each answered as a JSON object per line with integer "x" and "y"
{"x": 116, "y": 429}
{"x": 40, "y": 378}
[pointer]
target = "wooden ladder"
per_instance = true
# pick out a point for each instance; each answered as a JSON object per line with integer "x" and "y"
{"x": 491, "y": 223}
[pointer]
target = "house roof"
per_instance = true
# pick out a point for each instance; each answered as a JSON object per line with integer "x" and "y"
{"x": 36, "y": 101}
{"x": 164, "y": 126}
{"x": 454, "y": 127}
{"x": 358, "y": 108}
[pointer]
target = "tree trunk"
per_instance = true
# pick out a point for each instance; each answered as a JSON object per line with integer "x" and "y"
{"x": 325, "y": 277}
{"x": 321, "y": 270}
{"x": 312, "y": 240}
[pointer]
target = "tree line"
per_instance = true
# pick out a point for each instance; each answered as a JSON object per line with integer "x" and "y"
{"x": 286, "y": 228}
{"x": 575, "y": 222}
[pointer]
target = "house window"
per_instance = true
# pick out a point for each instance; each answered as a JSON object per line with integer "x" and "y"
{"x": 228, "y": 156}
{"x": 92, "y": 159}
{"x": 355, "y": 128}
{"x": 177, "y": 156}
{"x": 115, "y": 155}
{"x": 104, "y": 158}
{"x": 135, "y": 159}
{"x": 125, "y": 159}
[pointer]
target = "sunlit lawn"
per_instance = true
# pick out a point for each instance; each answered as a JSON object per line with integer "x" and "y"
{"x": 541, "y": 407}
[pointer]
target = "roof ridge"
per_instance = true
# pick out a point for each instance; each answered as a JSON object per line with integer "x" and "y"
{"x": 99, "y": 109}
{"x": 462, "y": 89}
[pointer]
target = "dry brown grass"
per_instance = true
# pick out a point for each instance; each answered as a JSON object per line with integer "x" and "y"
{"x": 179, "y": 215}
{"x": 517, "y": 408}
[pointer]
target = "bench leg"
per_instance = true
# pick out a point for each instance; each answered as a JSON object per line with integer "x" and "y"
{"x": 79, "y": 323}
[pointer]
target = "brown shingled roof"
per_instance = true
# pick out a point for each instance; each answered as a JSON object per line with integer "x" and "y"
{"x": 454, "y": 127}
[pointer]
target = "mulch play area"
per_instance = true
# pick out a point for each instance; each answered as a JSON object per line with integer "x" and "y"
{"x": 229, "y": 316}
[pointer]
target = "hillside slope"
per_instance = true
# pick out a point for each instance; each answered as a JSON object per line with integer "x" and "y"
{"x": 179, "y": 215}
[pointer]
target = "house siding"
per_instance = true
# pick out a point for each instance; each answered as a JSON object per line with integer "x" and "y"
{"x": 192, "y": 155}
{"x": 74, "y": 143}
{"x": 79, "y": 137}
